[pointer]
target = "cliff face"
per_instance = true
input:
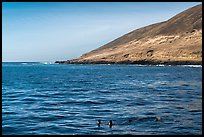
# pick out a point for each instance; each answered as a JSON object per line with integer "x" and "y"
{"x": 178, "y": 39}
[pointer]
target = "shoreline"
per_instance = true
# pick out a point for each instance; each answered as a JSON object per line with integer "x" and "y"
{"x": 141, "y": 62}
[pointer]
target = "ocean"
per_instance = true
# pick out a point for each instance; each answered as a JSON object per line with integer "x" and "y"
{"x": 46, "y": 98}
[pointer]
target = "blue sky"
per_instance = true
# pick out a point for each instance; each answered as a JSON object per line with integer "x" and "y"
{"x": 50, "y": 31}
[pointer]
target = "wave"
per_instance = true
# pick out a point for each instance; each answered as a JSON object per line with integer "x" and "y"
{"x": 47, "y": 62}
{"x": 161, "y": 65}
{"x": 24, "y": 63}
{"x": 194, "y": 66}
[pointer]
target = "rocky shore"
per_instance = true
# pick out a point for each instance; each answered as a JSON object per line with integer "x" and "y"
{"x": 141, "y": 62}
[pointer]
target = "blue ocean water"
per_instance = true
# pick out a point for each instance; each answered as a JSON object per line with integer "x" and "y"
{"x": 48, "y": 98}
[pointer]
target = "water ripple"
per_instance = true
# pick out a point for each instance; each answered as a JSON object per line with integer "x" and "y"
{"x": 69, "y": 99}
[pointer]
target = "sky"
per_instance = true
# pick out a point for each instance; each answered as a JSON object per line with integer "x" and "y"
{"x": 50, "y": 31}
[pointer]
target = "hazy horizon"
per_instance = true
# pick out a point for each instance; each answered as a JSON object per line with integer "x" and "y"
{"x": 47, "y": 31}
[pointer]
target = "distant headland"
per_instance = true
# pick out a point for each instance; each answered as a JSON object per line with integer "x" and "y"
{"x": 177, "y": 41}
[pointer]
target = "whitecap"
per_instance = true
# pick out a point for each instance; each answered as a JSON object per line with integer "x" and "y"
{"x": 24, "y": 63}
{"x": 195, "y": 66}
{"x": 47, "y": 63}
{"x": 160, "y": 65}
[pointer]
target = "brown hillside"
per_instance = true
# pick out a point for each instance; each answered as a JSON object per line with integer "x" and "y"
{"x": 178, "y": 39}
